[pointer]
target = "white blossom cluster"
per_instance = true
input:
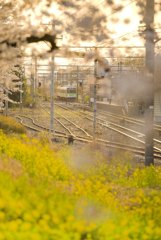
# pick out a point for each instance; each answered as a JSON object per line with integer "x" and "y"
{"x": 9, "y": 82}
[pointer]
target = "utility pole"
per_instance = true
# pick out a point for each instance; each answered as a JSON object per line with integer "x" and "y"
{"x": 21, "y": 98}
{"x": 77, "y": 82}
{"x": 149, "y": 70}
{"x": 21, "y": 87}
{"x": 35, "y": 80}
{"x": 52, "y": 90}
{"x": 94, "y": 99}
{"x": 6, "y": 103}
{"x": 32, "y": 82}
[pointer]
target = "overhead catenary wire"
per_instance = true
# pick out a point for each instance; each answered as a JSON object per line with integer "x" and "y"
{"x": 74, "y": 28}
{"x": 85, "y": 47}
{"x": 115, "y": 11}
{"x": 109, "y": 15}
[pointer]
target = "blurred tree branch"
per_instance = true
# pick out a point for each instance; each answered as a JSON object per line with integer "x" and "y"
{"x": 33, "y": 39}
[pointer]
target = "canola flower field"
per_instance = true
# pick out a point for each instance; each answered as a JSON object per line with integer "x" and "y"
{"x": 47, "y": 193}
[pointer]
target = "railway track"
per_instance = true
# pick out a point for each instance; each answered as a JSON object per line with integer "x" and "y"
{"x": 29, "y": 123}
{"x": 137, "y": 136}
{"x": 127, "y": 132}
{"x": 120, "y": 119}
{"x": 125, "y": 119}
{"x": 70, "y": 127}
{"x": 73, "y": 127}
{"x": 118, "y": 126}
{"x": 32, "y": 125}
{"x": 136, "y": 122}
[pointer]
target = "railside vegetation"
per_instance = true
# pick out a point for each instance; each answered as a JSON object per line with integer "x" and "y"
{"x": 49, "y": 193}
{"x": 10, "y": 125}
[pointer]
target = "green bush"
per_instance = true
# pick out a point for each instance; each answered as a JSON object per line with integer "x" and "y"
{"x": 10, "y": 125}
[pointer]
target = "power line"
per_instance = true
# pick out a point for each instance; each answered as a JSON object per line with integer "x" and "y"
{"x": 117, "y": 47}
{"x": 115, "y": 11}
{"x": 127, "y": 34}
{"x": 136, "y": 32}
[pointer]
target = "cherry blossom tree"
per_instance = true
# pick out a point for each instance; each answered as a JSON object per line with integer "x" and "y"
{"x": 28, "y": 23}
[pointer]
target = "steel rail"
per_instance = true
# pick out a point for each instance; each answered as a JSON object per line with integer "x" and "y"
{"x": 107, "y": 125}
{"x": 34, "y": 123}
{"x": 129, "y": 119}
{"x": 70, "y": 132}
{"x": 84, "y": 131}
{"x": 130, "y": 148}
{"x": 71, "y": 122}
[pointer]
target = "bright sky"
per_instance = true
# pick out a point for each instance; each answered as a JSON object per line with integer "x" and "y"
{"x": 121, "y": 28}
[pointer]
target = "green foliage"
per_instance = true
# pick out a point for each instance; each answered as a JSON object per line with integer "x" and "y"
{"x": 27, "y": 99}
{"x": 147, "y": 177}
{"x": 15, "y": 96}
{"x": 9, "y": 125}
{"x": 86, "y": 99}
{"x": 44, "y": 195}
